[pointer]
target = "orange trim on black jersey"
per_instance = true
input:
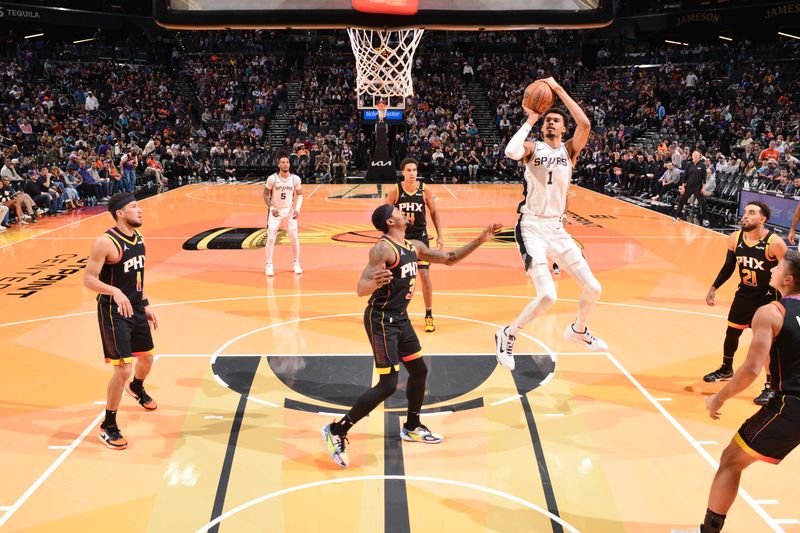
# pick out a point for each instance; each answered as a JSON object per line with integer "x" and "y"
{"x": 119, "y": 249}
{"x": 751, "y": 452}
{"x": 411, "y": 357}
{"x": 113, "y": 329}
{"x": 780, "y": 307}
{"x": 396, "y": 252}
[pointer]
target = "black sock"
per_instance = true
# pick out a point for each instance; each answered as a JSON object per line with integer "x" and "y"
{"x": 341, "y": 427}
{"x": 111, "y": 419}
{"x": 727, "y": 363}
{"x": 412, "y": 421}
{"x": 713, "y": 522}
{"x": 137, "y": 384}
{"x": 767, "y": 385}
{"x": 428, "y": 312}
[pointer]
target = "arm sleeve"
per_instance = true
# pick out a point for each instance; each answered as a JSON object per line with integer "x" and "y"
{"x": 515, "y": 149}
{"x": 726, "y": 271}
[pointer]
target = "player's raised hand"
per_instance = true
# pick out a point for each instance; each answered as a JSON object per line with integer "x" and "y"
{"x": 490, "y": 231}
{"x": 382, "y": 277}
{"x": 791, "y": 236}
{"x": 554, "y": 85}
{"x": 533, "y": 116}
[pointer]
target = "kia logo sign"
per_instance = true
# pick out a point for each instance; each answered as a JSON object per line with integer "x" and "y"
{"x": 381, "y": 164}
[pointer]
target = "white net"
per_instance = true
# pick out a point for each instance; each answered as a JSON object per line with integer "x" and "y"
{"x": 383, "y": 62}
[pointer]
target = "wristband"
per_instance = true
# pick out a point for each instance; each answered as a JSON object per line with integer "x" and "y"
{"x": 145, "y": 302}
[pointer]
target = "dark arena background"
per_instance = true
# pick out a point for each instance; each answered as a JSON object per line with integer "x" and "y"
{"x": 190, "y": 105}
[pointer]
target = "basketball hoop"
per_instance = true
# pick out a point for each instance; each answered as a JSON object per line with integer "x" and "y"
{"x": 383, "y": 64}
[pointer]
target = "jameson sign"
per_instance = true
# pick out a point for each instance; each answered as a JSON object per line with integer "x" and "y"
{"x": 784, "y": 13}
{"x": 781, "y": 11}
{"x": 704, "y": 17}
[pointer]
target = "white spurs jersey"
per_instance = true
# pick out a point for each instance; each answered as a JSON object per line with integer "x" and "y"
{"x": 548, "y": 173}
{"x": 283, "y": 192}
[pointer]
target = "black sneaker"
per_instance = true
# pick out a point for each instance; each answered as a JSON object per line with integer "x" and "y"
{"x": 142, "y": 397}
{"x": 766, "y": 395}
{"x": 111, "y": 437}
{"x": 723, "y": 373}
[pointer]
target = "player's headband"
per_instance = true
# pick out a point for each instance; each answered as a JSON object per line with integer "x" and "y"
{"x": 119, "y": 202}
{"x": 381, "y": 215}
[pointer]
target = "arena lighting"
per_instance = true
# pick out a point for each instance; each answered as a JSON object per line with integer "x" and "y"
{"x": 33, "y": 36}
{"x": 83, "y": 40}
{"x": 675, "y": 42}
{"x": 725, "y": 38}
{"x": 789, "y": 35}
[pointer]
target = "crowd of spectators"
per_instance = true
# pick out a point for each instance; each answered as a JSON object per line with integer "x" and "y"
{"x": 73, "y": 132}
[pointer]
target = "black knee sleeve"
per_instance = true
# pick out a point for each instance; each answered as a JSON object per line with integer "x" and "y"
{"x": 731, "y": 343}
{"x": 415, "y": 391}
{"x": 417, "y": 368}
{"x": 387, "y": 384}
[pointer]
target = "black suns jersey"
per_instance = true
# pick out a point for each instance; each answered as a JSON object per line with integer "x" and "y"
{"x": 413, "y": 206}
{"x": 127, "y": 273}
{"x": 784, "y": 356}
{"x": 396, "y": 295}
{"x": 755, "y": 262}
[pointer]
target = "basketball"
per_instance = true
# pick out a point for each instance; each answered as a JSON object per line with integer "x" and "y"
{"x": 538, "y": 96}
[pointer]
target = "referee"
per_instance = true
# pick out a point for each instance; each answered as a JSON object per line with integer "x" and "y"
{"x": 691, "y": 183}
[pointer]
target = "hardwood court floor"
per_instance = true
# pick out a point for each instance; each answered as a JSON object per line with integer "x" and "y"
{"x": 249, "y": 369}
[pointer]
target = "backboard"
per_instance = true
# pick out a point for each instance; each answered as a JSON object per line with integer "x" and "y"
{"x": 429, "y": 14}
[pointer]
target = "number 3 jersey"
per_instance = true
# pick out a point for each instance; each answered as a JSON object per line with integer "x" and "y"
{"x": 283, "y": 192}
{"x": 755, "y": 262}
{"x": 395, "y": 296}
{"x": 548, "y": 172}
{"x": 127, "y": 273}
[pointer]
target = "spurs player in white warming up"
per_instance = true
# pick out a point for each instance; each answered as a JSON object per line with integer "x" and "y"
{"x": 540, "y": 231}
{"x": 284, "y": 196}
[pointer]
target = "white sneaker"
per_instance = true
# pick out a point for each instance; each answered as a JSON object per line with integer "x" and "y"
{"x": 297, "y": 269}
{"x": 420, "y": 434}
{"x": 2, "y": 228}
{"x": 586, "y": 339}
{"x": 270, "y": 271}
{"x": 335, "y": 446}
{"x": 504, "y": 348}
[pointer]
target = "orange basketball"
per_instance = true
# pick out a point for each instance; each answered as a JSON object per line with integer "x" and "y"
{"x": 538, "y": 96}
